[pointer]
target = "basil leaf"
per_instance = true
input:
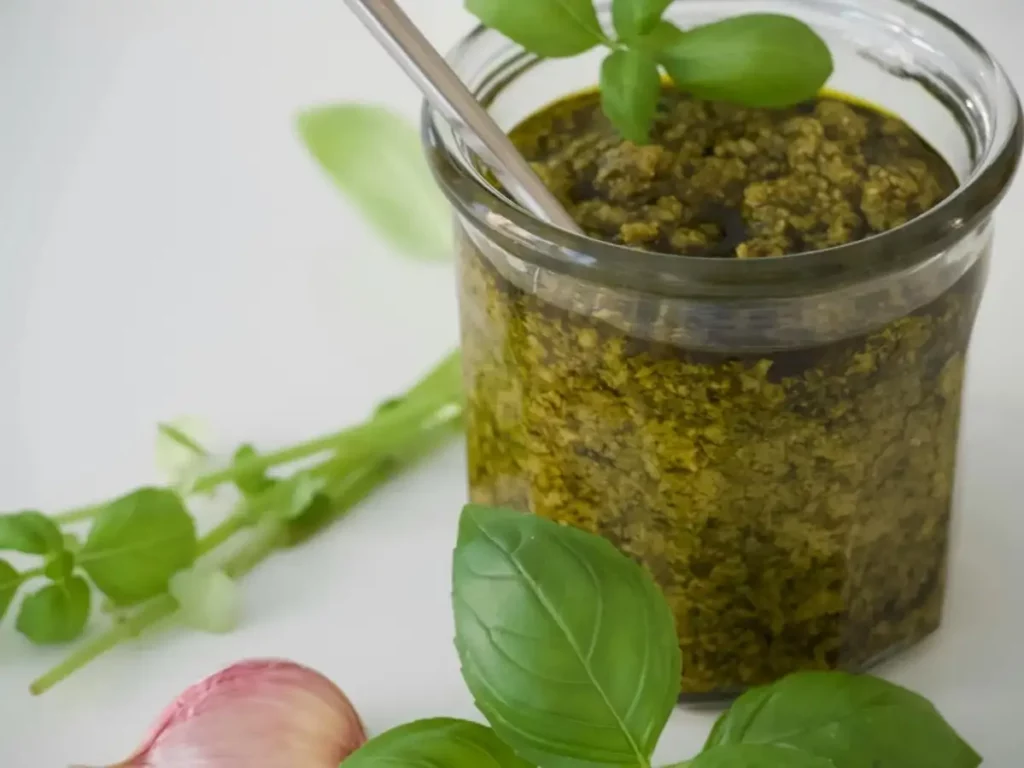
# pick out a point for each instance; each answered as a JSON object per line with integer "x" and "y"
{"x": 30, "y": 532}
{"x": 760, "y": 60}
{"x": 630, "y": 88}
{"x": 663, "y": 35}
{"x": 71, "y": 543}
{"x": 137, "y": 543}
{"x": 179, "y": 452}
{"x": 856, "y": 721}
{"x": 56, "y": 613}
{"x": 250, "y": 483}
{"x": 10, "y": 581}
{"x": 440, "y": 742}
{"x": 637, "y": 17}
{"x": 292, "y": 499}
{"x": 375, "y": 158}
{"x": 757, "y": 756}
{"x": 306, "y": 490}
{"x": 567, "y": 645}
{"x": 173, "y": 434}
{"x": 551, "y": 28}
{"x": 59, "y": 566}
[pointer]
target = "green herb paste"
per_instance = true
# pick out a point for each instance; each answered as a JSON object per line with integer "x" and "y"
{"x": 792, "y": 505}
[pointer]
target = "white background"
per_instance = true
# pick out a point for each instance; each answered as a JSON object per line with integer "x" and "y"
{"x": 167, "y": 247}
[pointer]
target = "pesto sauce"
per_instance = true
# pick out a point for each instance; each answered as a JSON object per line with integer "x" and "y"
{"x": 793, "y": 506}
{"x": 723, "y": 180}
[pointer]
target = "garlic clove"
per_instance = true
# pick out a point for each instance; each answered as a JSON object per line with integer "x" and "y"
{"x": 254, "y": 714}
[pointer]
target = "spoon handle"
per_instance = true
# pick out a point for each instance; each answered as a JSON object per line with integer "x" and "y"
{"x": 447, "y": 93}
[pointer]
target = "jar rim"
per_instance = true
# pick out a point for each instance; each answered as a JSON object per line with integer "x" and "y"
{"x": 580, "y": 255}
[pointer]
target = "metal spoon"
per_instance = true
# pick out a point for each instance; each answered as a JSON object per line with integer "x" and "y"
{"x": 449, "y": 95}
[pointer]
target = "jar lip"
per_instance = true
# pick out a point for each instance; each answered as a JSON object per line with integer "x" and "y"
{"x": 581, "y": 255}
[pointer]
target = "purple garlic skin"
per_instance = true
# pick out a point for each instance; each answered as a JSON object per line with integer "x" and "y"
{"x": 261, "y": 713}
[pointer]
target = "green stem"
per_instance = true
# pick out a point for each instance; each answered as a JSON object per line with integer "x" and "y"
{"x": 266, "y": 539}
{"x": 265, "y": 461}
{"x": 164, "y": 606}
{"x": 258, "y": 463}
{"x": 224, "y": 531}
{"x": 156, "y": 609}
{"x": 399, "y": 443}
{"x": 357, "y": 482}
{"x": 442, "y": 385}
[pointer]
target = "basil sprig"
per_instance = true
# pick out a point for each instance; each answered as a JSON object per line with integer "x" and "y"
{"x": 571, "y": 655}
{"x": 758, "y": 59}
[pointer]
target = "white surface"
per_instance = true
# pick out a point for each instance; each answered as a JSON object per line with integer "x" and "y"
{"x": 167, "y": 247}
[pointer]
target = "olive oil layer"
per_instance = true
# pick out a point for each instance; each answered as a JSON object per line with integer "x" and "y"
{"x": 793, "y": 506}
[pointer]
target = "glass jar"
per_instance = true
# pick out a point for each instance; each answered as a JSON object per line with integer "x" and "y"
{"x": 774, "y": 439}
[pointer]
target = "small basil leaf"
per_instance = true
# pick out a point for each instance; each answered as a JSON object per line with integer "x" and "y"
{"x": 566, "y": 644}
{"x": 179, "y": 453}
{"x": 208, "y": 599}
{"x": 30, "y": 532}
{"x": 551, "y": 28}
{"x": 321, "y": 510}
{"x": 305, "y": 490}
{"x": 856, "y": 721}
{"x": 177, "y": 435}
{"x": 630, "y": 88}
{"x": 759, "y": 60}
{"x": 633, "y": 18}
{"x": 10, "y": 581}
{"x": 137, "y": 543}
{"x": 375, "y": 158}
{"x": 290, "y": 499}
{"x": 71, "y": 543}
{"x": 250, "y": 483}
{"x": 440, "y": 742}
{"x": 56, "y": 613}
{"x": 59, "y": 566}
{"x": 757, "y": 756}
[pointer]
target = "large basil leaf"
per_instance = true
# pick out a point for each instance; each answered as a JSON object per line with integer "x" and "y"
{"x": 856, "y": 721}
{"x": 567, "y": 645}
{"x": 437, "y": 743}
{"x": 759, "y": 59}
{"x": 756, "y": 756}
{"x": 545, "y": 27}
{"x": 375, "y": 158}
